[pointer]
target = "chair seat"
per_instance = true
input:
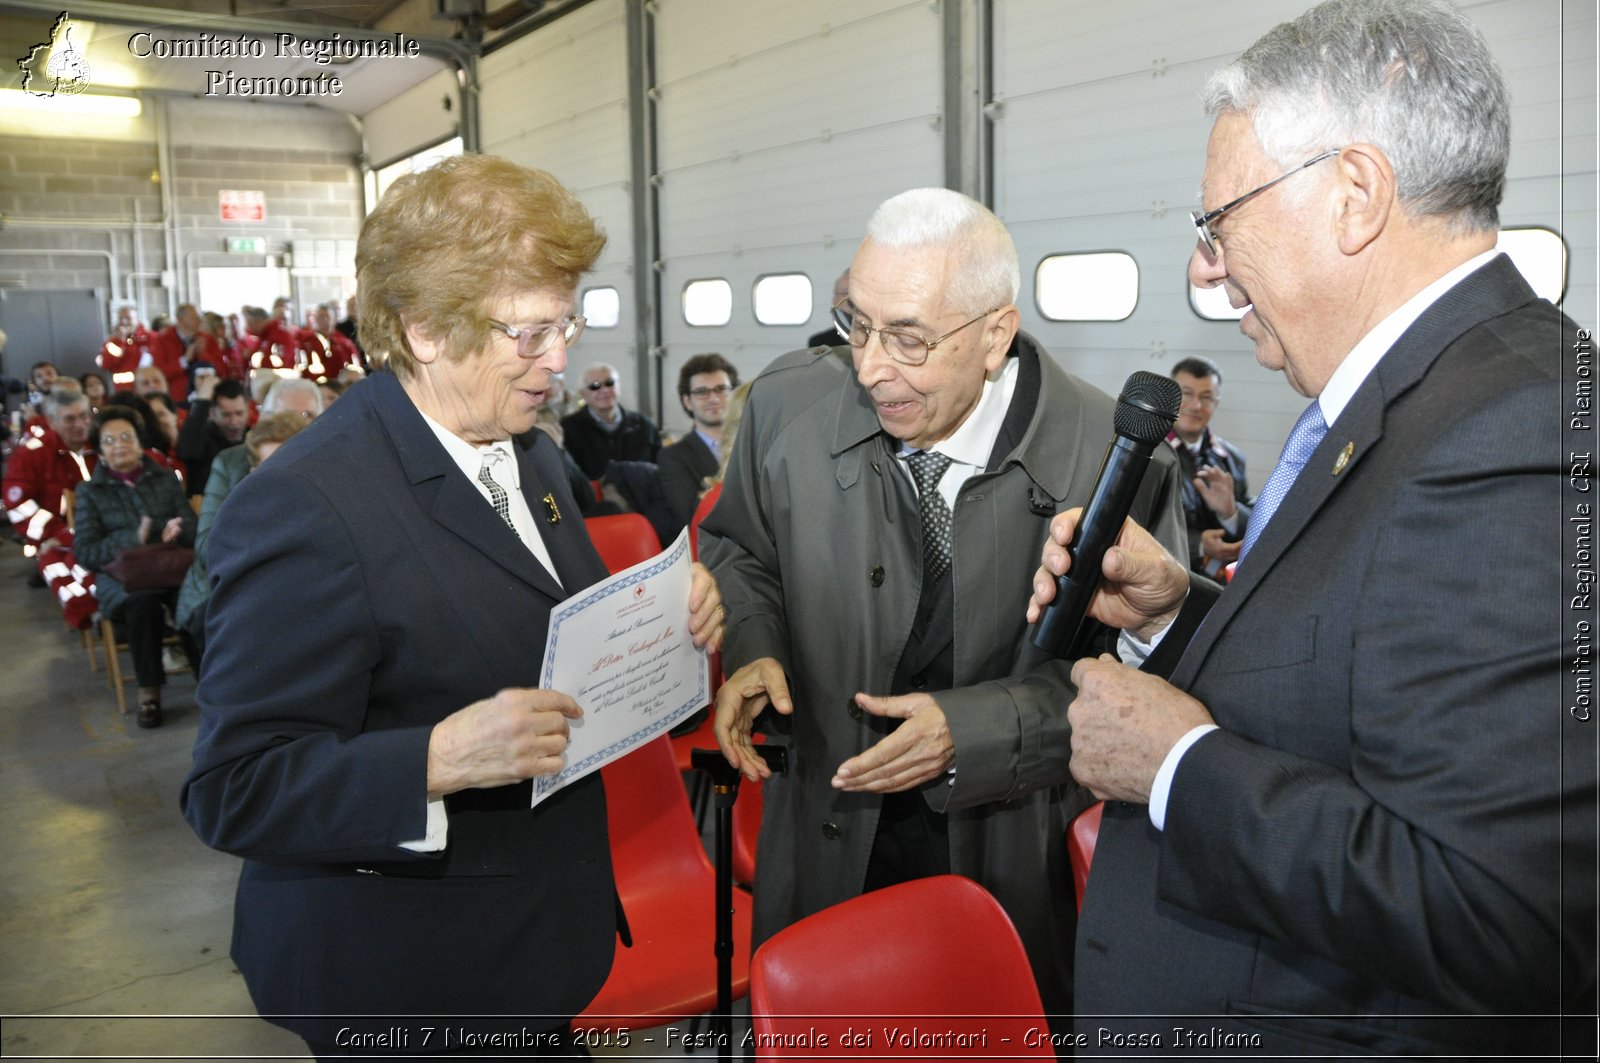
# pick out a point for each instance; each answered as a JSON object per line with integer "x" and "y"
{"x": 668, "y": 890}
{"x": 670, "y": 972}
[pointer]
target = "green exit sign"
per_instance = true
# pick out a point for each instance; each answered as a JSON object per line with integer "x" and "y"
{"x": 247, "y": 245}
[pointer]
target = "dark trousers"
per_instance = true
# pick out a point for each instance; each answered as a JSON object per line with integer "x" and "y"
{"x": 912, "y": 842}
{"x": 144, "y": 621}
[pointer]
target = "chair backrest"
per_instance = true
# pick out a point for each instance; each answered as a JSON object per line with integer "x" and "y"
{"x": 623, "y": 539}
{"x": 707, "y": 502}
{"x": 653, "y": 836}
{"x": 1081, "y": 837}
{"x": 938, "y": 949}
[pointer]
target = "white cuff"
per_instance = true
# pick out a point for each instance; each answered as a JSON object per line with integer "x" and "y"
{"x": 438, "y": 830}
{"x": 1161, "y": 788}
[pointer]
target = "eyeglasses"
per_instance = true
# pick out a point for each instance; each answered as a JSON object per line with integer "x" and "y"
{"x": 905, "y": 347}
{"x": 596, "y": 385}
{"x": 534, "y": 340}
{"x": 120, "y": 437}
{"x": 1208, "y": 401}
{"x": 1202, "y": 222}
{"x": 706, "y": 393}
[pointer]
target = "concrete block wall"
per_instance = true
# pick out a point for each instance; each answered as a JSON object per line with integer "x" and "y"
{"x": 69, "y": 199}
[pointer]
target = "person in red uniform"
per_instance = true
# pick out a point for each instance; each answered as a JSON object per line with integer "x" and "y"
{"x": 129, "y": 346}
{"x": 277, "y": 343}
{"x": 46, "y": 464}
{"x": 49, "y": 463}
{"x": 327, "y": 350}
{"x": 185, "y": 343}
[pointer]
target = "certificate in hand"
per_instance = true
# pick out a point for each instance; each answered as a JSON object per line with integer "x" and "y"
{"x": 622, "y": 650}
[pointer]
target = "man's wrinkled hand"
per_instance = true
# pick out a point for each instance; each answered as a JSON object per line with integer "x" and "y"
{"x": 1141, "y": 586}
{"x": 706, "y": 613}
{"x": 916, "y": 751}
{"x": 518, "y": 734}
{"x": 1124, "y": 723}
{"x": 743, "y": 696}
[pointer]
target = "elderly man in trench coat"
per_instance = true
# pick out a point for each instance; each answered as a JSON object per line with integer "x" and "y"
{"x": 925, "y": 732}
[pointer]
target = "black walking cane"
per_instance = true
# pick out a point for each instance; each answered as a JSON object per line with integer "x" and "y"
{"x": 725, "y": 787}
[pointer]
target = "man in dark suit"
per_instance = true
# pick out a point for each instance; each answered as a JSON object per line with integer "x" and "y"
{"x": 1359, "y": 811}
{"x": 705, "y": 384}
{"x": 1216, "y": 495}
{"x": 373, "y": 768}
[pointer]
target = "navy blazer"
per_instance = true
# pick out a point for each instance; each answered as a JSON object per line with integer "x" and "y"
{"x": 1383, "y": 834}
{"x": 363, "y": 589}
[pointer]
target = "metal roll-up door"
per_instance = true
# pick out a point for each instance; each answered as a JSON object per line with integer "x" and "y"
{"x": 1100, "y": 143}
{"x": 557, "y": 100}
{"x": 779, "y": 129}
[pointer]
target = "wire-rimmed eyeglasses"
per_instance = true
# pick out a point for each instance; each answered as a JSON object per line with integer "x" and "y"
{"x": 534, "y": 340}
{"x": 901, "y": 345}
{"x": 1202, "y": 222}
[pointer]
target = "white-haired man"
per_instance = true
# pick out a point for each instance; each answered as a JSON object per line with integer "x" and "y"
{"x": 872, "y": 544}
{"x": 1359, "y": 813}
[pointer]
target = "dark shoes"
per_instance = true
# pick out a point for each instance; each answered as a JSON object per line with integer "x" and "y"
{"x": 149, "y": 708}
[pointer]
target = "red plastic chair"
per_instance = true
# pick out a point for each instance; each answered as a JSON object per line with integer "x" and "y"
{"x": 936, "y": 948}
{"x": 668, "y": 890}
{"x": 1081, "y": 836}
{"x": 623, "y": 539}
{"x": 707, "y": 502}
{"x": 746, "y": 828}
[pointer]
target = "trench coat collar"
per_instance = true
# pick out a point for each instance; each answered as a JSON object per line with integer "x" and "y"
{"x": 1050, "y": 444}
{"x": 450, "y": 499}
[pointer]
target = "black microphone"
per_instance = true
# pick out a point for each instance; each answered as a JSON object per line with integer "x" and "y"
{"x": 1145, "y": 412}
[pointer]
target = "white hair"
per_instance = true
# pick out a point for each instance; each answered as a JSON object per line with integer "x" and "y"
{"x": 273, "y": 403}
{"x": 989, "y": 276}
{"x": 1413, "y": 77}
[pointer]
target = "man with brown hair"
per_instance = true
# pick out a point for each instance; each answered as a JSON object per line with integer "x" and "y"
{"x": 705, "y": 384}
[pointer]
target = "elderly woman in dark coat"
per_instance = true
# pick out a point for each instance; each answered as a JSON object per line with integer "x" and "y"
{"x": 128, "y": 501}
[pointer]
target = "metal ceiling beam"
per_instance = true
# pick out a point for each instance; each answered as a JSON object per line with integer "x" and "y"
{"x": 122, "y": 14}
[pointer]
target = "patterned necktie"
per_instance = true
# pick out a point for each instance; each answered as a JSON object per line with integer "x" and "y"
{"x": 1303, "y": 439}
{"x": 497, "y": 494}
{"x": 927, "y": 469}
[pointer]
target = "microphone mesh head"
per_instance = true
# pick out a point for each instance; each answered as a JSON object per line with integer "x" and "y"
{"x": 1147, "y": 407}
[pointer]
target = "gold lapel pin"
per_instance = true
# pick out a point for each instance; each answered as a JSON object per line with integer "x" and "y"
{"x": 554, "y": 516}
{"x": 1344, "y": 458}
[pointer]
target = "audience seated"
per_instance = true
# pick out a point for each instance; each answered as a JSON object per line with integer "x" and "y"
{"x": 227, "y": 469}
{"x": 94, "y": 389}
{"x": 603, "y": 432}
{"x": 161, "y": 434}
{"x": 130, "y": 500}
{"x": 218, "y": 418}
{"x": 56, "y": 458}
{"x": 327, "y": 350}
{"x": 232, "y": 360}
{"x": 187, "y": 345}
{"x": 548, "y": 421}
{"x": 129, "y": 346}
{"x": 273, "y": 343}
{"x": 687, "y": 467}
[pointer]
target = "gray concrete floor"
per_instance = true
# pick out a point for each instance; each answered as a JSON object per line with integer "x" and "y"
{"x": 114, "y": 919}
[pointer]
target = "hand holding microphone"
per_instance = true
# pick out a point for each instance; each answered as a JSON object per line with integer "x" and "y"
{"x": 1145, "y": 412}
